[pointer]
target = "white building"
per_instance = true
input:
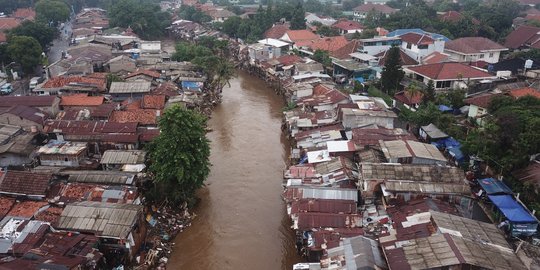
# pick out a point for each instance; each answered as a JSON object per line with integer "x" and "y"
{"x": 472, "y": 49}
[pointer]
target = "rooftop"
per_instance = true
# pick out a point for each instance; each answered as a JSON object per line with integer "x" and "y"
{"x": 141, "y": 116}
{"x": 481, "y": 100}
{"x": 63, "y": 81}
{"x": 26, "y": 209}
{"x": 472, "y": 45}
{"x": 30, "y": 101}
{"x": 123, "y": 157}
{"x": 450, "y": 71}
{"x": 301, "y": 35}
{"x": 411, "y": 172}
{"x": 100, "y": 177}
{"x": 407, "y": 149}
{"x": 153, "y": 102}
{"x": 371, "y": 136}
{"x": 81, "y": 100}
{"x": 104, "y": 219}
{"x": 416, "y": 38}
{"x": 376, "y": 7}
{"x": 130, "y": 87}
{"x": 24, "y": 183}
{"x": 526, "y": 91}
{"x": 29, "y": 113}
{"x": 62, "y": 148}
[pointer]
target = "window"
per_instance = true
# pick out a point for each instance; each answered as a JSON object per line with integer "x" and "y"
{"x": 481, "y": 56}
{"x": 409, "y": 45}
{"x": 422, "y": 47}
{"x": 443, "y": 84}
{"x": 491, "y": 55}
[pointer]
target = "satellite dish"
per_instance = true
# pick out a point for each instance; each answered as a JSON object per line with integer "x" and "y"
{"x": 528, "y": 63}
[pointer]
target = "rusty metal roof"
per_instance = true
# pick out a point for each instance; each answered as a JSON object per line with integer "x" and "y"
{"x": 411, "y": 172}
{"x": 324, "y": 206}
{"x": 123, "y": 157}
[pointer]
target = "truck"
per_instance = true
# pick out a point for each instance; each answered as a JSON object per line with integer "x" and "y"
{"x": 34, "y": 82}
{"x": 6, "y": 89}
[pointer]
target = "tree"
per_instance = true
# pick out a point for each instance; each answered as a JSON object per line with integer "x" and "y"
{"x": 327, "y": 31}
{"x": 26, "y": 51}
{"x": 54, "y": 11}
{"x": 429, "y": 93}
{"x": 188, "y": 52}
{"x": 42, "y": 33}
{"x": 10, "y": 5}
{"x": 322, "y": 57}
{"x": 193, "y": 14}
{"x": 144, "y": 17}
{"x": 392, "y": 73}
{"x": 298, "y": 20}
{"x": 179, "y": 156}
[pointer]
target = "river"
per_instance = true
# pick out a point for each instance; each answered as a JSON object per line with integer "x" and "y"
{"x": 241, "y": 221}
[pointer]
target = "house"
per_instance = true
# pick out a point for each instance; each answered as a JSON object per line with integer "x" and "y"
{"x": 220, "y": 14}
{"x": 523, "y": 37}
{"x": 143, "y": 74}
{"x": 405, "y": 59}
{"x": 478, "y": 106}
{"x": 29, "y": 118}
{"x": 472, "y": 49}
{"x": 275, "y": 43}
{"x": 309, "y": 68}
{"x": 22, "y": 183}
{"x": 411, "y": 152}
{"x": 47, "y": 104}
{"x": 364, "y": 137}
{"x": 325, "y": 193}
{"x": 77, "y": 192}
{"x": 73, "y": 84}
{"x": 324, "y": 98}
{"x": 260, "y": 52}
{"x": 400, "y": 32}
{"x": 404, "y": 179}
{"x": 448, "y": 75}
{"x": 347, "y": 70}
{"x": 150, "y": 46}
{"x": 435, "y": 57}
{"x": 522, "y": 92}
{"x": 277, "y": 30}
{"x": 348, "y": 27}
{"x": 431, "y": 133}
{"x": 120, "y": 159}
{"x": 121, "y": 226}
{"x": 100, "y": 135}
{"x": 294, "y": 36}
{"x": 312, "y": 17}
{"x": 357, "y": 252}
{"x": 99, "y": 177}
{"x": 144, "y": 117}
{"x": 373, "y": 46}
{"x": 354, "y": 118}
{"x": 63, "y": 154}
{"x": 408, "y": 100}
{"x": 121, "y": 64}
{"x": 124, "y": 90}
{"x": 318, "y": 137}
{"x": 360, "y": 12}
{"x": 419, "y": 46}
{"x": 16, "y": 146}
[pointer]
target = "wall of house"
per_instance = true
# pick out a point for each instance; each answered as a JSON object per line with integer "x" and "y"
{"x": 10, "y": 119}
{"x": 10, "y": 159}
{"x": 375, "y": 47}
{"x": 490, "y": 57}
{"x": 417, "y": 53}
{"x": 61, "y": 160}
{"x": 425, "y": 161}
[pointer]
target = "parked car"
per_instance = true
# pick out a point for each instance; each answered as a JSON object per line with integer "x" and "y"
{"x": 6, "y": 89}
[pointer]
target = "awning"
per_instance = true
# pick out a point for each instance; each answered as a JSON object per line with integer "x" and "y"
{"x": 512, "y": 210}
{"x": 494, "y": 187}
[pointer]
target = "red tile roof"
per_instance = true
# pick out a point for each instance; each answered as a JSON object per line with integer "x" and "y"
{"x": 148, "y": 135}
{"x": 470, "y": 45}
{"x": 435, "y": 57}
{"x": 24, "y": 13}
{"x": 533, "y": 17}
{"x": 406, "y": 98}
{"x": 323, "y": 94}
{"x": 454, "y": 16}
{"x": 345, "y": 51}
{"x": 481, "y": 100}
{"x": 141, "y": 116}
{"x": 63, "y": 81}
{"x": 301, "y": 35}
{"x": 330, "y": 44}
{"x": 153, "y": 102}
{"x": 167, "y": 89}
{"x": 406, "y": 60}
{"x": 347, "y": 25}
{"x": 5, "y": 206}
{"x": 376, "y": 7}
{"x": 418, "y": 39}
{"x": 523, "y": 36}
{"x": 276, "y": 31}
{"x": 26, "y": 209}
{"x": 81, "y": 100}
{"x": 521, "y": 92}
{"x": 449, "y": 71}
{"x": 51, "y": 215}
{"x": 9, "y": 23}
{"x": 289, "y": 59}
{"x": 25, "y": 183}
{"x": 147, "y": 72}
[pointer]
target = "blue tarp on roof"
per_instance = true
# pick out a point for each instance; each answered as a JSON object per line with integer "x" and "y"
{"x": 444, "y": 108}
{"x": 193, "y": 86}
{"x": 494, "y": 187}
{"x": 400, "y": 32}
{"x": 456, "y": 153}
{"x": 446, "y": 143}
{"x": 511, "y": 209}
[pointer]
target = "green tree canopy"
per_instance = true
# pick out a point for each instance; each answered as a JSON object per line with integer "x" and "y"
{"x": 144, "y": 17}
{"x": 54, "y": 11}
{"x": 10, "y": 5}
{"x": 298, "y": 20}
{"x": 179, "y": 156}
{"x": 392, "y": 73}
{"x": 322, "y": 57}
{"x": 42, "y": 33}
{"x": 26, "y": 51}
{"x": 193, "y": 14}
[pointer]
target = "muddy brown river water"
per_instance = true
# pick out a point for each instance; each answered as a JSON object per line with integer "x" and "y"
{"x": 241, "y": 221}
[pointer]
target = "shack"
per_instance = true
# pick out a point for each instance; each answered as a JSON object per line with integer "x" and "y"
{"x": 63, "y": 153}
{"x": 123, "y": 160}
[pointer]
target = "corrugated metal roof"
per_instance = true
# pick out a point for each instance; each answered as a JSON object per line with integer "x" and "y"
{"x": 130, "y": 87}
{"x": 427, "y": 187}
{"x": 411, "y": 172}
{"x": 105, "y": 219}
{"x": 100, "y": 177}
{"x": 123, "y": 157}
{"x": 404, "y": 149}
{"x": 292, "y": 194}
{"x": 62, "y": 148}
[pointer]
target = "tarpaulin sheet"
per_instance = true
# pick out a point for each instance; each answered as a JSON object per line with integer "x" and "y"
{"x": 191, "y": 85}
{"x": 444, "y": 108}
{"x": 456, "y": 153}
{"x": 494, "y": 187}
{"x": 511, "y": 209}
{"x": 446, "y": 143}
